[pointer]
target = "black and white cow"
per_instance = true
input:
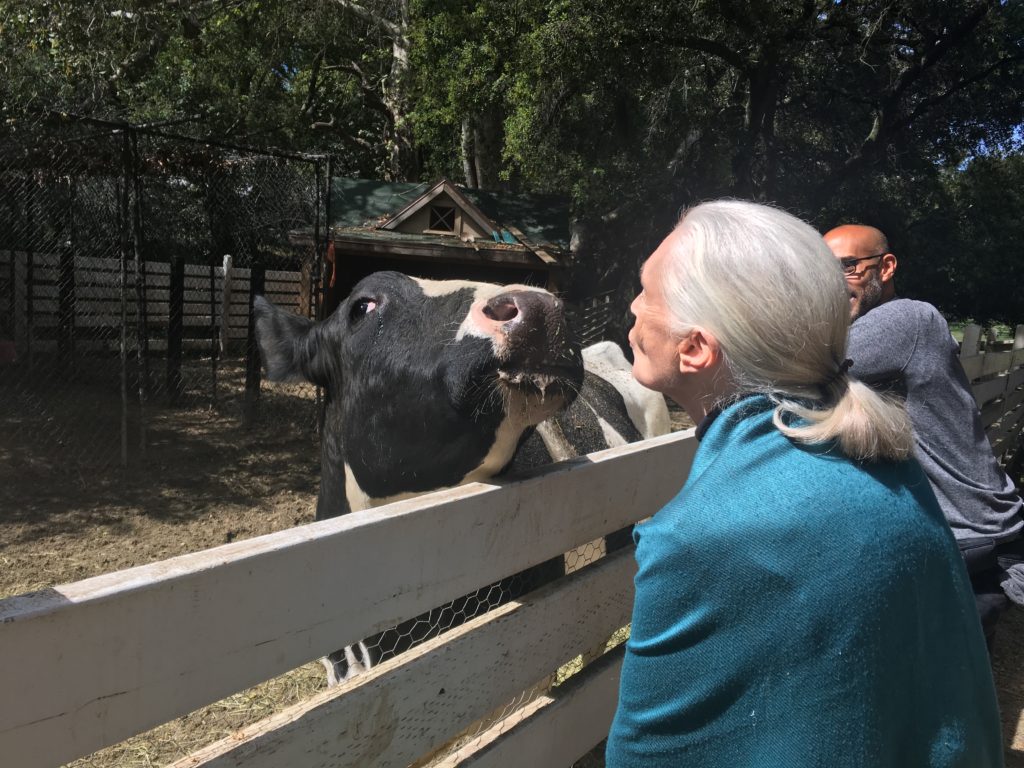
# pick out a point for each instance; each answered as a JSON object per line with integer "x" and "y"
{"x": 431, "y": 384}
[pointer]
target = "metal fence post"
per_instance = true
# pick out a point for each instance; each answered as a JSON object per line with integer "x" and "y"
{"x": 30, "y": 277}
{"x": 175, "y": 328}
{"x": 123, "y": 234}
{"x": 66, "y": 289}
{"x": 12, "y": 296}
{"x": 316, "y": 290}
{"x": 142, "y": 330}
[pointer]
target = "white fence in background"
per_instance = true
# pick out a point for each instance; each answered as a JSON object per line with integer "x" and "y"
{"x": 46, "y": 296}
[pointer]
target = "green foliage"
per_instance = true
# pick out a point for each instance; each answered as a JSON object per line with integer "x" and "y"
{"x": 859, "y": 110}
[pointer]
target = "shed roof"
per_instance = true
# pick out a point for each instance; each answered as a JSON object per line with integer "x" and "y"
{"x": 365, "y": 204}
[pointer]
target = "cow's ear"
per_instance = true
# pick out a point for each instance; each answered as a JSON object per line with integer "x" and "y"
{"x": 292, "y": 347}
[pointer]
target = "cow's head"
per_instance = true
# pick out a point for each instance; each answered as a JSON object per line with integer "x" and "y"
{"x": 429, "y": 383}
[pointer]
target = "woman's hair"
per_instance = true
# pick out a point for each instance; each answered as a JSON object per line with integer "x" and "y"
{"x": 766, "y": 286}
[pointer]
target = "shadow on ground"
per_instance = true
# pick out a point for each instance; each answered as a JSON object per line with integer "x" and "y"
{"x": 1009, "y": 674}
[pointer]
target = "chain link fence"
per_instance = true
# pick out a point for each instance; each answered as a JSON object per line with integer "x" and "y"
{"x": 128, "y": 262}
{"x": 129, "y": 258}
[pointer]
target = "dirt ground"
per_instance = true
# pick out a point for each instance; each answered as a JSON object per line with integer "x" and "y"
{"x": 68, "y": 511}
{"x": 205, "y": 480}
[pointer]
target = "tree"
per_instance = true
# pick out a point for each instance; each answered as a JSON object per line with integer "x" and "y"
{"x": 310, "y": 74}
{"x": 821, "y": 107}
{"x": 831, "y": 108}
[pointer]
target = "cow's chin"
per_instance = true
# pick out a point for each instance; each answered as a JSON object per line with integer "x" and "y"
{"x": 533, "y": 396}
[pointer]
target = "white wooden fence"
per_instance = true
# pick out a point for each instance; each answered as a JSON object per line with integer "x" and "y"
{"x": 92, "y": 663}
{"x": 996, "y": 376}
{"x": 33, "y": 287}
{"x": 89, "y": 664}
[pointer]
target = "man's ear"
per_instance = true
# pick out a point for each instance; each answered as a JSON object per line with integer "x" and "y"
{"x": 698, "y": 351}
{"x": 293, "y": 348}
{"x": 887, "y": 267}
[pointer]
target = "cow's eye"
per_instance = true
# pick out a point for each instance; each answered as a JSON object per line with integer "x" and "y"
{"x": 362, "y": 307}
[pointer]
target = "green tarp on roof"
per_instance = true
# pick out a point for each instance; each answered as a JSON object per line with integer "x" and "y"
{"x": 544, "y": 219}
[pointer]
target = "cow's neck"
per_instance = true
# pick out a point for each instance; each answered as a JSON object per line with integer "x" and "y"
{"x": 332, "y": 501}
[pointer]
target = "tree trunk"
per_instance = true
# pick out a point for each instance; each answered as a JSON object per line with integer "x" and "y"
{"x": 468, "y": 147}
{"x": 487, "y": 143}
{"x": 403, "y": 160}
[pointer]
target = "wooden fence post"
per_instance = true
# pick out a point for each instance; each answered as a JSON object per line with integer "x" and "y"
{"x": 225, "y": 306}
{"x": 1018, "y": 337}
{"x": 175, "y": 328}
{"x": 257, "y": 280}
{"x": 972, "y": 339}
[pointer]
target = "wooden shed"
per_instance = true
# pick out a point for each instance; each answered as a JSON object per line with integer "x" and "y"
{"x": 442, "y": 231}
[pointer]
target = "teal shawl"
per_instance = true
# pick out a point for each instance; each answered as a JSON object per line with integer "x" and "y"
{"x": 796, "y": 608}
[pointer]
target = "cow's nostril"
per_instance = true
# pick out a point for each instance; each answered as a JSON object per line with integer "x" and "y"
{"x": 501, "y": 310}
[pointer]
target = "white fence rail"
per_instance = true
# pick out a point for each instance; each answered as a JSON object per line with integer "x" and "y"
{"x": 89, "y": 664}
{"x": 997, "y": 380}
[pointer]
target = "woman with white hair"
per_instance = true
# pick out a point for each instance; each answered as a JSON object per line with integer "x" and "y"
{"x": 801, "y": 602}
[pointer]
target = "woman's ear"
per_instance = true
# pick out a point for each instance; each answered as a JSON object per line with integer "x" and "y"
{"x": 698, "y": 351}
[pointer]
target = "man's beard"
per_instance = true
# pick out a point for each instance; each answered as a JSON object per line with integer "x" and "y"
{"x": 870, "y": 297}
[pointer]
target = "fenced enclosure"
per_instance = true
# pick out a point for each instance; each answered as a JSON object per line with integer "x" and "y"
{"x": 125, "y": 352}
{"x": 506, "y": 688}
{"x": 129, "y": 257}
{"x": 115, "y": 304}
{"x": 155, "y": 642}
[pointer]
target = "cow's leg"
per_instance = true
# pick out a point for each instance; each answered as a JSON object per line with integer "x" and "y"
{"x": 347, "y": 662}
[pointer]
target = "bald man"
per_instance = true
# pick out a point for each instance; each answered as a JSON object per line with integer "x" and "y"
{"x": 905, "y": 346}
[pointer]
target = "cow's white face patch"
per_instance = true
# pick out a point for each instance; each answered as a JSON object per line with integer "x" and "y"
{"x": 482, "y": 292}
{"x": 525, "y": 409}
{"x": 444, "y": 287}
{"x": 472, "y": 325}
{"x": 522, "y": 410}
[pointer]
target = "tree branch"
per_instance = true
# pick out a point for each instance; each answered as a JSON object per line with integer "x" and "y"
{"x": 927, "y": 104}
{"x": 386, "y": 26}
{"x": 373, "y": 99}
{"x": 938, "y": 50}
{"x": 343, "y": 135}
{"x": 712, "y": 47}
{"x": 883, "y": 125}
{"x": 314, "y": 76}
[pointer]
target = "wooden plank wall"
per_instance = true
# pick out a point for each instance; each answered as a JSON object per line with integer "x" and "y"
{"x": 97, "y": 301}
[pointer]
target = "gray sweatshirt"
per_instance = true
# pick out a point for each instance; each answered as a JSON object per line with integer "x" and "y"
{"x": 905, "y": 346}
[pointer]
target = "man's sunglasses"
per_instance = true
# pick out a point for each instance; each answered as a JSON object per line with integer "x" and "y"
{"x": 849, "y": 264}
